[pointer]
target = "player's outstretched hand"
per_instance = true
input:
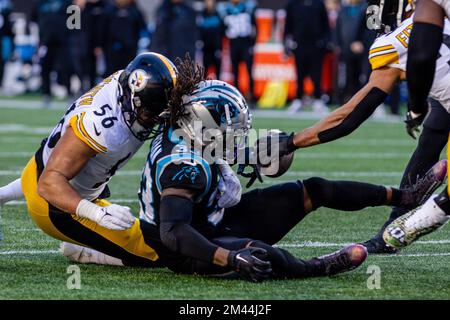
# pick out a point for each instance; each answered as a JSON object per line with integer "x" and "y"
{"x": 274, "y": 145}
{"x": 113, "y": 217}
{"x": 248, "y": 266}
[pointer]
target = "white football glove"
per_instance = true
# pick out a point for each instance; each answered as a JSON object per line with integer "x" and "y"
{"x": 113, "y": 217}
{"x": 229, "y": 186}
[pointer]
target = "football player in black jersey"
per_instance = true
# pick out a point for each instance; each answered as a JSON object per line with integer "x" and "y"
{"x": 181, "y": 191}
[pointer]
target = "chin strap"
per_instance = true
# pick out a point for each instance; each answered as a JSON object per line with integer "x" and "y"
{"x": 253, "y": 175}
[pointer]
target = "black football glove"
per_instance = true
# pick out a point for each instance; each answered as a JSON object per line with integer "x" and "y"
{"x": 413, "y": 124}
{"x": 248, "y": 266}
{"x": 284, "y": 146}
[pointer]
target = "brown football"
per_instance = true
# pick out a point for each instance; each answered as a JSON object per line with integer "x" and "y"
{"x": 279, "y": 166}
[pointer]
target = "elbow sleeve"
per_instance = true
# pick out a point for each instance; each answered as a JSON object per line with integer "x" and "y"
{"x": 361, "y": 113}
{"x": 423, "y": 51}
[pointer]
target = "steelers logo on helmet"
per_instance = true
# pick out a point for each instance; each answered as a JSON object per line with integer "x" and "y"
{"x": 138, "y": 80}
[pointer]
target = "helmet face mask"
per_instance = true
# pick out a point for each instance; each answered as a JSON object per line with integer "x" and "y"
{"x": 146, "y": 84}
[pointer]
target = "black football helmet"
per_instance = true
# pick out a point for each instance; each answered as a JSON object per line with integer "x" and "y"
{"x": 384, "y": 16}
{"x": 146, "y": 84}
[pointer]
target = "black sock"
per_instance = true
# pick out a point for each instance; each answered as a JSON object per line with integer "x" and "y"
{"x": 285, "y": 265}
{"x": 397, "y": 197}
{"x": 443, "y": 201}
{"x": 344, "y": 195}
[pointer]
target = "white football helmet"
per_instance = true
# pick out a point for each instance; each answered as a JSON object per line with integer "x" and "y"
{"x": 216, "y": 112}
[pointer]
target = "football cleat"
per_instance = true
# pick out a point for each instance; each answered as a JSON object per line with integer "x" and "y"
{"x": 415, "y": 224}
{"x": 376, "y": 245}
{"x": 344, "y": 260}
{"x": 75, "y": 253}
{"x": 80, "y": 254}
{"x": 424, "y": 187}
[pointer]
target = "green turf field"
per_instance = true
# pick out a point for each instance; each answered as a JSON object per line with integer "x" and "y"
{"x": 31, "y": 268}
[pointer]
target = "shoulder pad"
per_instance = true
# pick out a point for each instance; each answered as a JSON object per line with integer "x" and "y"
{"x": 87, "y": 129}
{"x": 183, "y": 171}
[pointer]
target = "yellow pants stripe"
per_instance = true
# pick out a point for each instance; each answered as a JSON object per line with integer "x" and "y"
{"x": 131, "y": 240}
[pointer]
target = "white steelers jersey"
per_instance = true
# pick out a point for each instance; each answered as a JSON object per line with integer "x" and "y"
{"x": 391, "y": 50}
{"x": 445, "y": 4}
{"x": 96, "y": 118}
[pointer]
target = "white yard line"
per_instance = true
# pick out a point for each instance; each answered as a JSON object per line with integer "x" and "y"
{"x": 29, "y": 252}
{"x": 412, "y": 255}
{"x": 406, "y": 255}
{"x": 16, "y": 154}
{"x": 21, "y": 128}
{"x": 318, "y": 244}
{"x": 31, "y": 104}
{"x": 305, "y": 155}
{"x": 388, "y": 174}
{"x": 263, "y": 114}
{"x": 127, "y": 200}
{"x": 15, "y": 140}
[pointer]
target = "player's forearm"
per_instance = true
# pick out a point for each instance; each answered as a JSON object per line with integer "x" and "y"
{"x": 56, "y": 189}
{"x": 343, "y": 120}
{"x": 179, "y": 236}
{"x": 310, "y": 136}
{"x": 350, "y": 116}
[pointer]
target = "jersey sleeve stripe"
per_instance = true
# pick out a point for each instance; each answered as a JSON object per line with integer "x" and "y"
{"x": 383, "y": 48}
{"x": 98, "y": 145}
{"x": 75, "y": 124}
{"x": 382, "y": 60}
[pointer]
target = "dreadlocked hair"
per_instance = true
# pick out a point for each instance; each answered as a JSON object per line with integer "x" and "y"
{"x": 189, "y": 76}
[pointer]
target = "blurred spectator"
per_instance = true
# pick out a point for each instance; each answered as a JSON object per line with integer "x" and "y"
{"x": 333, "y": 7}
{"x": 354, "y": 42}
{"x": 211, "y": 36}
{"x": 53, "y": 50}
{"x": 26, "y": 43}
{"x": 120, "y": 29}
{"x": 91, "y": 16}
{"x": 176, "y": 30}
{"x": 77, "y": 43}
{"x": 6, "y": 42}
{"x": 84, "y": 41}
{"x": 240, "y": 29}
{"x": 307, "y": 34}
{"x": 149, "y": 9}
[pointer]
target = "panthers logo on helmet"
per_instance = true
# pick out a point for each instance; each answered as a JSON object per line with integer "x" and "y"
{"x": 138, "y": 80}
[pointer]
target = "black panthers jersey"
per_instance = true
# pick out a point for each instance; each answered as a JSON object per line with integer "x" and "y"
{"x": 171, "y": 165}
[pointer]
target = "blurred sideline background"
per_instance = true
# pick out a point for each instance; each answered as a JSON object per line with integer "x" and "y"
{"x": 304, "y": 54}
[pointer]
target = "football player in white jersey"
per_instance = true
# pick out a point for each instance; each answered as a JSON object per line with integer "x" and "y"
{"x": 424, "y": 51}
{"x": 64, "y": 183}
{"x": 388, "y": 58}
